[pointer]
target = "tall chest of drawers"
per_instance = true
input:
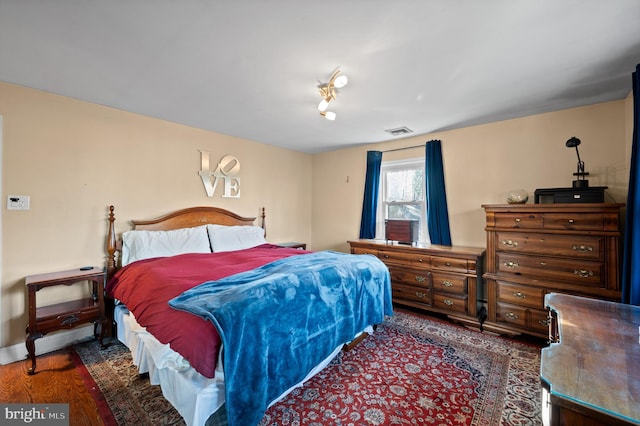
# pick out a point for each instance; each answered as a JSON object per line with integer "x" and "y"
{"x": 443, "y": 279}
{"x": 536, "y": 249}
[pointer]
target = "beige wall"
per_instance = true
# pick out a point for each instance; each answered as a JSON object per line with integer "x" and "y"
{"x": 74, "y": 159}
{"x": 482, "y": 164}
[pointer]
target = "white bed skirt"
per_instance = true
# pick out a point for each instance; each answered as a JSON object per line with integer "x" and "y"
{"x": 194, "y": 396}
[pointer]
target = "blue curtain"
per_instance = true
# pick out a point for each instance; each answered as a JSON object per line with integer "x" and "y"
{"x": 631, "y": 256}
{"x": 370, "y": 201}
{"x": 436, "y": 197}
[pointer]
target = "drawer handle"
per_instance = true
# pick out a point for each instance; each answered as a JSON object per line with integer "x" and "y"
{"x": 510, "y": 243}
{"x": 447, "y": 283}
{"x": 511, "y": 264}
{"x": 448, "y": 302}
{"x": 520, "y": 295}
{"x": 517, "y": 220}
{"x": 420, "y": 260}
{"x": 583, "y": 273}
{"x": 512, "y": 316}
{"x": 544, "y": 322}
{"x": 420, "y": 278}
{"x": 447, "y": 263}
{"x": 386, "y": 256}
{"x": 570, "y": 221}
{"x": 69, "y": 320}
{"x": 582, "y": 248}
{"x": 421, "y": 295}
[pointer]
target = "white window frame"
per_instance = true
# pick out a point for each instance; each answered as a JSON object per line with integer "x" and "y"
{"x": 381, "y": 214}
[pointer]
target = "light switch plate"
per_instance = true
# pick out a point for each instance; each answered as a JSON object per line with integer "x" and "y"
{"x": 18, "y": 202}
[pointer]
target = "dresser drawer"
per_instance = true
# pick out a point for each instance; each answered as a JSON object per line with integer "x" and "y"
{"x": 534, "y": 320}
{"x": 68, "y": 319}
{"x": 540, "y": 321}
{"x": 449, "y": 263}
{"x": 538, "y": 267}
{"x": 520, "y": 295}
{"x": 362, "y": 250}
{"x": 552, "y": 245}
{"x": 454, "y": 303}
{"x": 519, "y": 220}
{"x": 574, "y": 221}
{"x": 449, "y": 283}
{"x": 409, "y": 259}
{"x": 512, "y": 314}
{"x": 402, "y": 292}
{"x": 410, "y": 277}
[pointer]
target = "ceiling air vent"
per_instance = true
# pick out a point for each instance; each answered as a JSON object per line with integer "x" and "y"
{"x": 399, "y": 131}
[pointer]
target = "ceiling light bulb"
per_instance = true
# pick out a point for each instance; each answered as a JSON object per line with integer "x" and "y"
{"x": 330, "y": 115}
{"x": 340, "y": 81}
{"x": 323, "y": 105}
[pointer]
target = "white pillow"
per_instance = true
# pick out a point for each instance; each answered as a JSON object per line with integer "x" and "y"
{"x": 230, "y": 238}
{"x": 138, "y": 245}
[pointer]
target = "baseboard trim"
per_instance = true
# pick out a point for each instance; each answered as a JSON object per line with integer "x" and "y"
{"x": 48, "y": 343}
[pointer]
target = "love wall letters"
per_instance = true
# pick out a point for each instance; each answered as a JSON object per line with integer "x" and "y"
{"x": 227, "y": 170}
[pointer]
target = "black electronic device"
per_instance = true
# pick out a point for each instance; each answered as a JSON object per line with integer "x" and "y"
{"x": 589, "y": 194}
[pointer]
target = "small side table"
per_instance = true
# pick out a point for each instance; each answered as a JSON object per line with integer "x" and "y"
{"x": 65, "y": 315}
{"x": 301, "y": 246}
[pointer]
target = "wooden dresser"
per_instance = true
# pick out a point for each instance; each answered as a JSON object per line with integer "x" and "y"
{"x": 535, "y": 249}
{"x": 444, "y": 279}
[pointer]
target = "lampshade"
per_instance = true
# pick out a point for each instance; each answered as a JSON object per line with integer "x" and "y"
{"x": 340, "y": 81}
{"x": 330, "y": 115}
{"x": 323, "y": 105}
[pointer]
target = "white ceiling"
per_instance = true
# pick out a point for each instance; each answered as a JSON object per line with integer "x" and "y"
{"x": 250, "y": 68}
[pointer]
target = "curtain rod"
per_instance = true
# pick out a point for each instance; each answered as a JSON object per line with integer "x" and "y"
{"x": 406, "y": 147}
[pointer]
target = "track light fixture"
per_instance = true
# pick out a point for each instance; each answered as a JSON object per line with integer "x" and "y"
{"x": 328, "y": 93}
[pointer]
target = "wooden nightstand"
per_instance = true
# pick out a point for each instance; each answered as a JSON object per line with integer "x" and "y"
{"x": 60, "y": 316}
{"x": 302, "y": 246}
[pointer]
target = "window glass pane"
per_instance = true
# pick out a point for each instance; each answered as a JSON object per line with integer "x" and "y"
{"x": 402, "y": 194}
{"x": 404, "y": 185}
{"x": 404, "y": 211}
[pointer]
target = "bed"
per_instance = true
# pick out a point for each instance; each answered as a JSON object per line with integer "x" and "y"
{"x": 227, "y": 323}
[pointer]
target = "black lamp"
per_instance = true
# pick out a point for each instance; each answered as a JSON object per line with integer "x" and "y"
{"x": 580, "y": 181}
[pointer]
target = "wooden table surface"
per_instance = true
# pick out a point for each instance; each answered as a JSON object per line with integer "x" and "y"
{"x": 596, "y": 363}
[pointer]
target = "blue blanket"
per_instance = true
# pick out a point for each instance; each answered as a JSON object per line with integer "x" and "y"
{"x": 280, "y": 320}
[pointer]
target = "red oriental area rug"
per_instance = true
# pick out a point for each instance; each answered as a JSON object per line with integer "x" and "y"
{"x": 411, "y": 371}
{"x": 414, "y": 371}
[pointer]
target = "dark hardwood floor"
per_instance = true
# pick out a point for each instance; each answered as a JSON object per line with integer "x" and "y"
{"x": 56, "y": 381}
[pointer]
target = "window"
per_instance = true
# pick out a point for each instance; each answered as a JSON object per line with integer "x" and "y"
{"x": 402, "y": 194}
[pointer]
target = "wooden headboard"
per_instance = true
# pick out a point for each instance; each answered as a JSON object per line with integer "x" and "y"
{"x": 184, "y": 218}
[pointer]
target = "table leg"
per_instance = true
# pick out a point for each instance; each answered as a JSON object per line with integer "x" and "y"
{"x": 31, "y": 349}
{"x": 100, "y": 336}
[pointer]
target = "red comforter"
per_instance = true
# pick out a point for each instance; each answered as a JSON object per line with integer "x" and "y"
{"x": 146, "y": 286}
